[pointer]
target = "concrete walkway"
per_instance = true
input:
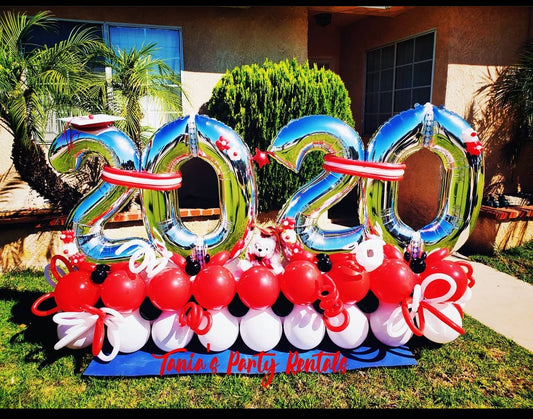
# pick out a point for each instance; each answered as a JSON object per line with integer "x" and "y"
{"x": 501, "y": 302}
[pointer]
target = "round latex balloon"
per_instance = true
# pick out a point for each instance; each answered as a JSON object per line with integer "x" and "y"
{"x": 258, "y": 287}
{"x": 214, "y": 287}
{"x": 75, "y": 340}
{"x": 304, "y": 327}
{"x": 170, "y": 289}
{"x": 224, "y": 330}
{"x": 393, "y": 281}
{"x": 123, "y": 290}
{"x": 389, "y": 326}
{"x": 437, "y": 330}
{"x": 356, "y": 331}
{"x": 131, "y": 334}
{"x": 351, "y": 280}
{"x": 167, "y": 333}
{"x": 261, "y": 330}
{"x": 300, "y": 282}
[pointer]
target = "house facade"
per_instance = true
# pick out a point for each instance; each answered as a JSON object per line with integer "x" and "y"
{"x": 462, "y": 47}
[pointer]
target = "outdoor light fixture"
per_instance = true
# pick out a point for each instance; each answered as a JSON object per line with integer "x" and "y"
{"x": 323, "y": 19}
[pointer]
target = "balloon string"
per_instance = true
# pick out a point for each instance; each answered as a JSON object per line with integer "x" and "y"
{"x": 192, "y": 315}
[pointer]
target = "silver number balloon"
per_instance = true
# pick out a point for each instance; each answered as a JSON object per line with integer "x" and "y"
{"x": 67, "y": 153}
{"x": 198, "y": 136}
{"x": 445, "y": 134}
{"x": 292, "y": 144}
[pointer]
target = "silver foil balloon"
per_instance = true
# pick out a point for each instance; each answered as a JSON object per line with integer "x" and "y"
{"x": 198, "y": 136}
{"x": 67, "y": 153}
{"x": 443, "y": 133}
{"x": 292, "y": 144}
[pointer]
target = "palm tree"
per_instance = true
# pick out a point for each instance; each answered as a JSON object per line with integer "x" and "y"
{"x": 36, "y": 82}
{"x": 510, "y": 104}
{"x": 136, "y": 76}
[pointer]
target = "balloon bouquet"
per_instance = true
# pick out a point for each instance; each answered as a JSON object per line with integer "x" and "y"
{"x": 177, "y": 284}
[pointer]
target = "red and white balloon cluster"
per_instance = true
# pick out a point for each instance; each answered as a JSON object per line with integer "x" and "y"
{"x": 279, "y": 288}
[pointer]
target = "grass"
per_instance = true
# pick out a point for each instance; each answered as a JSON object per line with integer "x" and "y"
{"x": 479, "y": 369}
{"x": 517, "y": 261}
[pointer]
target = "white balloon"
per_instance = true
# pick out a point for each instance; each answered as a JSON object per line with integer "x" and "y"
{"x": 438, "y": 331}
{"x": 131, "y": 333}
{"x": 304, "y": 327}
{"x": 224, "y": 330}
{"x": 168, "y": 334}
{"x": 389, "y": 326}
{"x": 81, "y": 341}
{"x": 261, "y": 330}
{"x": 369, "y": 253}
{"x": 355, "y": 333}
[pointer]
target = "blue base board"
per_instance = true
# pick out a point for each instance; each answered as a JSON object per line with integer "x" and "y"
{"x": 239, "y": 359}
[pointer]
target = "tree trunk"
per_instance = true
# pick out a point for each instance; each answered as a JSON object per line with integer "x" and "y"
{"x": 32, "y": 165}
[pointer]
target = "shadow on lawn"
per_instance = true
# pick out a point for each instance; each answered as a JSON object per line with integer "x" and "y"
{"x": 40, "y": 330}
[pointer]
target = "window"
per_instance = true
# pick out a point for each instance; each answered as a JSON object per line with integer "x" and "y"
{"x": 122, "y": 36}
{"x": 397, "y": 77}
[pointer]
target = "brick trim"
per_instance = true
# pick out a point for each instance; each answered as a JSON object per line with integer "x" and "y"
{"x": 48, "y": 218}
{"x": 507, "y": 213}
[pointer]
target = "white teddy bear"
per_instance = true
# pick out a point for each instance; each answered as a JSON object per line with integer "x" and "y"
{"x": 262, "y": 251}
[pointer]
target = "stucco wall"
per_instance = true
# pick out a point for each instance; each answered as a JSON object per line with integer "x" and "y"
{"x": 469, "y": 45}
{"x": 215, "y": 39}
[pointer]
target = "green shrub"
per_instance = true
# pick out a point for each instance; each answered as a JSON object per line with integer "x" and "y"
{"x": 258, "y": 101}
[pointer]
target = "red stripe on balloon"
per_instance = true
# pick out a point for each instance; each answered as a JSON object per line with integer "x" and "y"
{"x": 141, "y": 179}
{"x": 372, "y": 170}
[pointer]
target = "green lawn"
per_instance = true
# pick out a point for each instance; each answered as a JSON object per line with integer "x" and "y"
{"x": 480, "y": 369}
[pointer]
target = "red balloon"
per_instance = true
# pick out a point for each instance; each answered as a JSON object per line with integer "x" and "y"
{"x": 214, "y": 287}
{"x": 393, "y": 281}
{"x": 76, "y": 289}
{"x": 439, "y": 287}
{"x": 220, "y": 258}
{"x": 170, "y": 289}
{"x": 300, "y": 282}
{"x": 392, "y": 252}
{"x": 303, "y": 255}
{"x": 351, "y": 280}
{"x": 123, "y": 290}
{"x": 258, "y": 287}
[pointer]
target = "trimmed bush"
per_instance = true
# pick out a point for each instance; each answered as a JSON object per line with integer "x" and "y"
{"x": 258, "y": 101}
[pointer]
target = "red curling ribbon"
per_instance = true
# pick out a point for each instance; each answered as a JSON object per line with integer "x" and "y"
{"x": 372, "y": 170}
{"x": 99, "y": 329}
{"x": 332, "y": 305}
{"x": 192, "y": 315}
{"x": 142, "y": 179}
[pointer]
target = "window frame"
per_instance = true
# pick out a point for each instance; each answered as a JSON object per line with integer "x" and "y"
{"x": 369, "y": 129}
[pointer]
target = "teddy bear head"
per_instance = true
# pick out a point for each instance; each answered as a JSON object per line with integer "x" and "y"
{"x": 263, "y": 247}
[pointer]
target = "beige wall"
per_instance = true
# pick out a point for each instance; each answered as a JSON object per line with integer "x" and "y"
{"x": 215, "y": 39}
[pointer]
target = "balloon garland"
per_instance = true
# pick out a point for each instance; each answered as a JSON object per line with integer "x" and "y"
{"x": 293, "y": 279}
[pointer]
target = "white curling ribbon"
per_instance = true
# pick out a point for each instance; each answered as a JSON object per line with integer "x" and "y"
{"x": 79, "y": 322}
{"x": 146, "y": 253}
{"x": 434, "y": 277}
{"x": 396, "y": 326}
{"x": 113, "y": 323}
{"x": 418, "y": 292}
